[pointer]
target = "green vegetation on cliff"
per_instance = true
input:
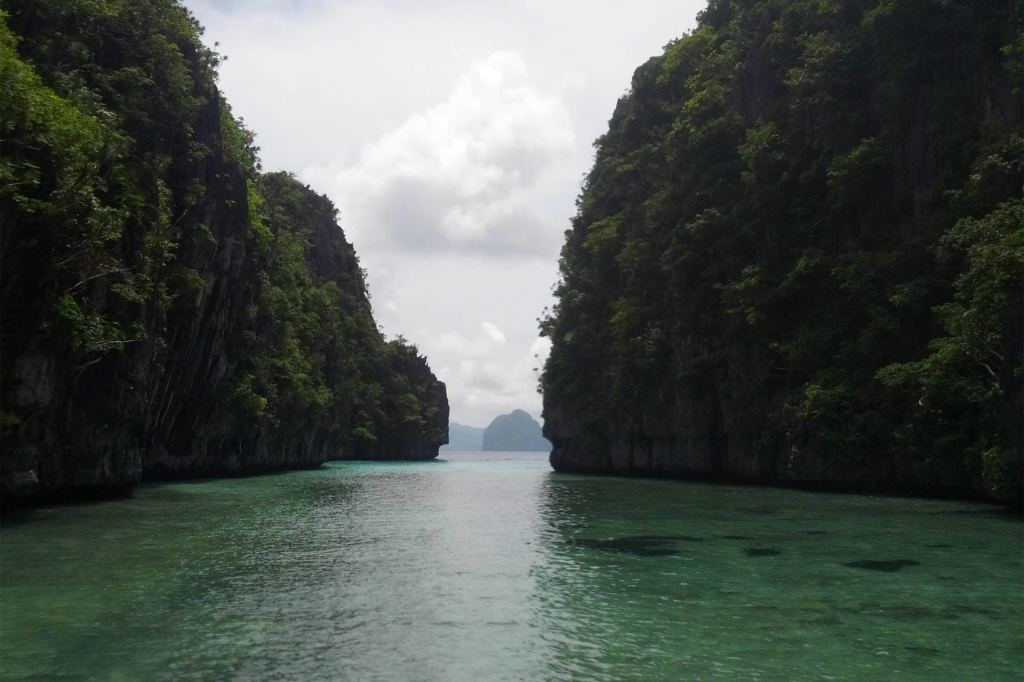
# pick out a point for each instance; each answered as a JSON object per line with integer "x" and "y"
{"x": 167, "y": 309}
{"x": 799, "y": 255}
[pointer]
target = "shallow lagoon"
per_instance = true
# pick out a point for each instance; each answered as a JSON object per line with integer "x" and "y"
{"x": 490, "y": 566}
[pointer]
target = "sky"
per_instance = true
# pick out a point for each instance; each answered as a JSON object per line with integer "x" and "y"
{"x": 453, "y": 136}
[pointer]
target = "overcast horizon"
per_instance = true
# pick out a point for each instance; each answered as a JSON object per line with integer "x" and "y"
{"x": 453, "y": 138}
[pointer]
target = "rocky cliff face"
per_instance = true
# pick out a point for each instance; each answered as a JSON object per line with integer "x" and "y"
{"x": 797, "y": 258}
{"x": 697, "y": 440}
{"x": 167, "y": 310}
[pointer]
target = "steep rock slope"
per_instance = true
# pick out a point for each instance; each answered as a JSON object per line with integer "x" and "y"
{"x": 167, "y": 310}
{"x": 798, "y": 256}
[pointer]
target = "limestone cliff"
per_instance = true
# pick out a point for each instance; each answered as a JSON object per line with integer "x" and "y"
{"x": 167, "y": 309}
{"x": 797, "y": 258}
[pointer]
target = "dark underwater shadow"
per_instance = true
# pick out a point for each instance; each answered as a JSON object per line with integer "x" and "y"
{"x": 762, "y": 551}
{"x": 636, "y": 545}
{"x": 1002, "y": 513}
{"x": 886, "y": 566}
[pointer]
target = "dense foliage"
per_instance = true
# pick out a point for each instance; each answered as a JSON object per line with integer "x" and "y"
{"x": 803, "y": 239}
{"x": 166, "y": 307}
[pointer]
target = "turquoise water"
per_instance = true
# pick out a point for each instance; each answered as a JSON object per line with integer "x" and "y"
{"x": 491, "y": 567}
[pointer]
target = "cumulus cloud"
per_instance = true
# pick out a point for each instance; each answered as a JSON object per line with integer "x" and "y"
{"x": 494, "y": 332}
{"x": 539, "y": 351}
{"x": 459, "y": 176}
{"x": 491, "y": 385}
{"x": 490, "y": 339}
{"x": 492, "y": 374}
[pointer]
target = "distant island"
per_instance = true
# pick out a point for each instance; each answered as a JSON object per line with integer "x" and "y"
{"x": 462, "y": 438}
{"x": 516, "y": 432}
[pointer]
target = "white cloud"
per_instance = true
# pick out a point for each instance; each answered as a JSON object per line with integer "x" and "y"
{"x": 539, "y": 351}
{"x": 494, "y": 332}
{"x": 459, "y": 175}
{"x": 487, "y": 341}
{"x": 491, "y": 385}
{"x": 493, "y": 374}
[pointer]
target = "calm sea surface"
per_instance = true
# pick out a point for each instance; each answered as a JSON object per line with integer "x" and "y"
{"x": 491, "y": 567}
